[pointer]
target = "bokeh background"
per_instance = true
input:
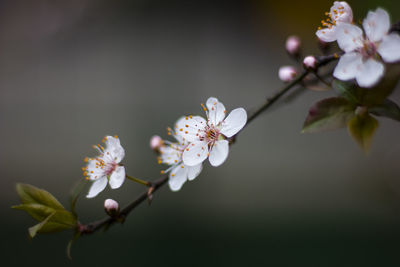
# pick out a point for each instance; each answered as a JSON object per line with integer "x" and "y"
{"x": 74, "y": 71}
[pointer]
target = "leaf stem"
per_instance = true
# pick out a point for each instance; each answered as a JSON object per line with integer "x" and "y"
{"x": 146, "y": 183}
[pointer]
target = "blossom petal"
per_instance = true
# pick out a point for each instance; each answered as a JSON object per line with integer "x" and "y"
{"x": 97, "y": 187}
{"x": 170, "y": 154}
{"x": 376, "y": 24}
{"x": 219, "y": 152}
{"x": 178, "y": 177}
{"x": 194, "y": 171}
{"x": 349, "y": 37}
{"x": 341, "y": 12}
{"x": 348, "y": 67}
{"x": 389, "y": 49}
{"x": 370, "y": 73}
{"x": 195, "y": 153}
{"x": 216, "y": 111}
{"x": 189, "y": 127}
{"x": 117, "y": 178}
{"x": 327, "y": 34}
{"x": 235, "y": 121}
{"x": 113, "y": 146}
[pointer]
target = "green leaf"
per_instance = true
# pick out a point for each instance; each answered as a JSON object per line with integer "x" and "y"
{"x": 328, "y": 114}
{"x": 349, "y": 90}
{"x": 388, "y": 109}
{"x": 362, "y": 128}
{"x": 36, "y": 228}
{"x": 376, "y": 95}
{"x": 75, "y": 193}
{"x": 45, "y": 209}
{"x": 61, "y": 219}
{"x": 71, "y": 242}
{"x": 31, "y": 194}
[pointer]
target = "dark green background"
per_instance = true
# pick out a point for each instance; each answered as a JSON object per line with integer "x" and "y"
{"x": 74, "y": 71}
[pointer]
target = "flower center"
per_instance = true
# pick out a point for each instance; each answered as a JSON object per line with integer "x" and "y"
{"x": 368, "y": 49}
{"x": 211, "y": 135}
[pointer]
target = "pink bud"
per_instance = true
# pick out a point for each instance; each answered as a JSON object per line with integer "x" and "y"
{"x": 287, "y": 73}
{"x": 156, "y": 142}
{"x": 310, "y": 62}
{"x": 111, "y": 207}
{"x": 293, "y": 44}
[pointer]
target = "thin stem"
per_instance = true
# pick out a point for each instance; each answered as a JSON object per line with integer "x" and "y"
{"x": 138, "y": 180}
{"x": 154, "y": 186}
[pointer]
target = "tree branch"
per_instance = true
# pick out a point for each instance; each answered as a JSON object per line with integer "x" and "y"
{"x": 108, "y": 221}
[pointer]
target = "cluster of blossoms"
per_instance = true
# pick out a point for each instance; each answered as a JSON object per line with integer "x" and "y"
{"x": 364, "y": 52}
{"x": 198, "y": 139}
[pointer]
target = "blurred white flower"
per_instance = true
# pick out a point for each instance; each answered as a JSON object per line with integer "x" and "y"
{"x": 207, "y": 138}
{"x": 293, "y": 45}
{"x": 171, "y": 154}
{"x": 340, "y": 13}
{"x": 361, "y": 60}
{"x": 287, "y": 73}
{"x": 105, "y": 168}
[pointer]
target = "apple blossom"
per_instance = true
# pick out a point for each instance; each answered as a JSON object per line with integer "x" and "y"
{"x": 339, "y": 13}
{"x": 105, "y": 168}
{"x": 208, "y": 138}
{"x": 362, "y": 54}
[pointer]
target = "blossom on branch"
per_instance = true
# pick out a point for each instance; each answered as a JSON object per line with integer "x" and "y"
{"x": 105, "y": 168}
{"x": 171, "y": 154}
{"x": 340, "y": 13}
{"x": 362, "y": 58}
{"x": 208, "y": 138}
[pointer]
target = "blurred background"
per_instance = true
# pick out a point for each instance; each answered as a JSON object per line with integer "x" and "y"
{"x": 72, "y": 72}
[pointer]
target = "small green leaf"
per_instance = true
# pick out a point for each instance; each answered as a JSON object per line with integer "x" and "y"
{"x": 362, "y": 128}
{"x": 349, "y": 91}
{"x": 71, "y": 242}
{"x": 36, "y": 228}
{"x": 75, "y": 193}
{"x": 31, "y": 194}
{"x": 376, "y": 95}
{"x": 388, "y": 109}
{"x": 328, "y": 114}
{"x": 45, "y": 209}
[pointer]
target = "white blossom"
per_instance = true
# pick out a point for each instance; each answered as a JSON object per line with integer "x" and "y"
{"x": 339, "y": 13}
{"x": 363, "y": 54}
{"x": 105, "y": 168}
{"x": 208, "y": 138}
{"x": 171, "y": 154}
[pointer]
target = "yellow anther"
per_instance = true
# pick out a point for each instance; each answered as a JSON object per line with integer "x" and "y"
{"x": 172, "y": 174}
{"x": 115, "y": 136}
{"x": 86, "y": 159}
{"x": 162, "y": 172}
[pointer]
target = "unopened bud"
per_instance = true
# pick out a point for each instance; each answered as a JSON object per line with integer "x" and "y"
{"x": 293, "y": 45}
{"x": 111, "y": 207}
{"x": 156, "y": 142}
{"x": 287, "y": 73}
{"x": 310, "y": 62}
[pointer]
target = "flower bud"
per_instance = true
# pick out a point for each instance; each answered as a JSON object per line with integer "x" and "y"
{"x": 293, "y": 44}
{"x": 111, "y": 207}
{"x": 287, "y": 73}
{"x": 310, "y": 62}
{"x": 156, "y": 142}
